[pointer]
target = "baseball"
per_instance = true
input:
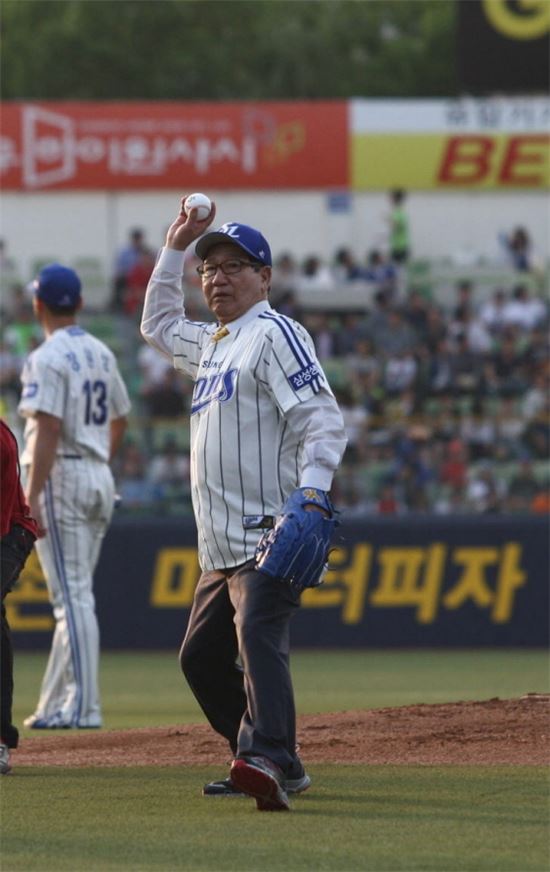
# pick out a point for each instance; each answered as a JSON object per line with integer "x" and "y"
{"x": 201, "y": 203}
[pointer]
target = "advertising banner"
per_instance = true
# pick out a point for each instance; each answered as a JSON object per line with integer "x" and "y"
{"x": 187, "y": 146}
{"x": 504, "y": 46}
{"x": 498, "y": 143}
{"x": 466, "y": 582}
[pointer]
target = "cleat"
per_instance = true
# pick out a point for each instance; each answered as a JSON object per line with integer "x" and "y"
{"x": 262, "y": 779}
{"x": 4, "y": 760}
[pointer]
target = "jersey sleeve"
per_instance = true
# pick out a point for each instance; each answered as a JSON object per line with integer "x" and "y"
{"x": 289, "y": 368}
{"x": 44, "y": 387}
{"x": 164, "y": 325}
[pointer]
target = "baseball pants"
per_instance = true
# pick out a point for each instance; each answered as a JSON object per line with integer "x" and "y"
{"x": 77, "y": 504}
{"x": 242, "y": 613}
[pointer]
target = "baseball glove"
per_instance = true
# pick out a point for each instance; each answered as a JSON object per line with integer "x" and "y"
{"x": 296, "y": 549}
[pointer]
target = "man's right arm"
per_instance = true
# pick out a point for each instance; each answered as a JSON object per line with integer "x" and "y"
{"x": 163, "y": 306}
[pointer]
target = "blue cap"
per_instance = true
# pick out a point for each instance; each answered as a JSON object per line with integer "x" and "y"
{"x": 247, "y": 238}
{"x": 58, "y": 286}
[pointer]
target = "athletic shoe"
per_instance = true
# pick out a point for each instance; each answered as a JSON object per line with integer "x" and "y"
{"x": 225, "y": 787}
{"x": 262, "y": 779}
{"x": 55, "y": 723}
{"x": 4, "y": 760}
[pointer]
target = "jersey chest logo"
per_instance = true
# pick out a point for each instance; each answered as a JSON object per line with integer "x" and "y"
{"x": 218, "y": 387}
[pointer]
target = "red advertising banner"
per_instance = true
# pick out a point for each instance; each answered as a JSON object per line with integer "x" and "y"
{"x": 64, "y": 146}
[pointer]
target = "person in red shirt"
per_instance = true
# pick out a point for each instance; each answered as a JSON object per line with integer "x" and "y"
{"x": 18, "y": 533}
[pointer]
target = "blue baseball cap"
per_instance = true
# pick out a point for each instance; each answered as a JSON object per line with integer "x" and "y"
{"x": 58, "y": 286}
{"x": 247, "y": 238}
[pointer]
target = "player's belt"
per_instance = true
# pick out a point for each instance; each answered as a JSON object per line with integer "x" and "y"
{"x": 71, "y": 456}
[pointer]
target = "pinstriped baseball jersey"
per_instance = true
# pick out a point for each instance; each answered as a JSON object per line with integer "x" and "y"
{"x": 75, "y": 377}
{"x": 245, "y": 458}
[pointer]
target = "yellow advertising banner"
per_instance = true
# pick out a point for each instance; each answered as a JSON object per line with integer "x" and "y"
{"x": 449, "y": 161}
{"x": 467, "y": 143}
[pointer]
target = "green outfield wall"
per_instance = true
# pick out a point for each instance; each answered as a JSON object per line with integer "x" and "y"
{"x": 412, "y": 581}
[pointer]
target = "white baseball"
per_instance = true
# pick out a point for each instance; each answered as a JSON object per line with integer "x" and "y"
{"x": 201, "y": 203}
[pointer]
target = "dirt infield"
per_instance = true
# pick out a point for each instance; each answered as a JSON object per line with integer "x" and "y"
{"x": 496, "y": 731}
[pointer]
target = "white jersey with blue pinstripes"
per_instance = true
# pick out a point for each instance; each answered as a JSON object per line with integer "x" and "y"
{"x": 74, "y": 377}
{"x": 246, "y": 457}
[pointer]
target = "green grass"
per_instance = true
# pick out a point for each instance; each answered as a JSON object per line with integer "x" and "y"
{"x": 356, "y": 818}
{"x": 148, "y": 689}
{"x": 442, "y": 818}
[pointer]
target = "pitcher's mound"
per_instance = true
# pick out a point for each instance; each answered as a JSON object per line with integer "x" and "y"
{"x": 495, "y": 731}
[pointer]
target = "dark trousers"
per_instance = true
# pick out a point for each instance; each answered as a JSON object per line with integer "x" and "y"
{"x": 15, "y": 547}
{"x": 242, "y": 613}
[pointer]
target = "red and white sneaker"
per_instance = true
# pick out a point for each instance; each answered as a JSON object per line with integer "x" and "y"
{"x": 264, "y": 780}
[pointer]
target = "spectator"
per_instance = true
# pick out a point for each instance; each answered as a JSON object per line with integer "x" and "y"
{"x": 169, "y": 473}
{"x": 464, "y": 301}
{"x": 388, "y": 502}
{"x": 467, "y": 372}
{"x": 453, "y": 470}
{"x": 135, "y": 490}
{"x": 534, "y": 399}
{"x": 436, "y": 328}
{"x": 136, "y": 282}
{"x": 441, "y": 369}
{"x": 167, "y": 398}
{"x": 524, "y": 311}
{"x": 451, "y": 501}
{"x": 415, "y": 312}
{"x": 517, "y": 246}
{"x": 395, "y": 336}
{"x": 400, "y": 372}
{"x": 492, "y": 312}
{"x": 355, "y": 424}
{"x": 10, "y": 368}
{"x": 400, "y": 246}
{"x": 484, "y": 494}
{"x": 284, "y": 276}
{"x": 126, "y": 259}
{"x": 537, "y": 353}
{"x": 346, "y": 268}
{"x": 540, "y": 504}
{"x": 24, "y": 333}
{"x": 522, "y": 488}
{"x": 315, "y": 276}
{"x": 507, "y": 366}
{"x": 509, "y": 425}
{"x": 381, "y": 272}
{"x": 319, "y": 327}
{"x": 351, "y": 335}
{"x": 9, "y": 274}
{"x": 536, "y": 436}
{"x": 478, "y": 431}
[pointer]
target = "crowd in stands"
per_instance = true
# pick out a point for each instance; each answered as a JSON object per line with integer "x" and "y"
{"x": 446, "y": 404}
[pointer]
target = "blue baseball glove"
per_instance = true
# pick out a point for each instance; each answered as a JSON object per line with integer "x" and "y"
{"x": 296, "y": 549}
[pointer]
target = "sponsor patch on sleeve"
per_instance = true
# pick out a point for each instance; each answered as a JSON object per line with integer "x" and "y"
{"x": 305, "y": 376}
{"x": 30, "y": 390}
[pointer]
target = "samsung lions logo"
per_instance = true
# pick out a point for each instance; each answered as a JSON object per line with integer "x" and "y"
{"x": 218, "y": 387}
{"x": 230, "y": 230}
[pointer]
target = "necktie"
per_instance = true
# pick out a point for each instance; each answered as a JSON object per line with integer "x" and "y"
{"x": 220, "y": 333}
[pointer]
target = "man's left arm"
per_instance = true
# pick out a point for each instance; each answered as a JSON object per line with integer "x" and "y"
{"x": 320, "y": 426}
{"x": 297, "y": 548}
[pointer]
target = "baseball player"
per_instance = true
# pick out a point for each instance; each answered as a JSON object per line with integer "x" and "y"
{"x": 266, "y": 438}
{"x": 18, "y": 531}
{"x": 76, "y": 404}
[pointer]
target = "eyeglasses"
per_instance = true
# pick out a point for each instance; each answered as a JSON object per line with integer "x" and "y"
{"x": 228, "y": 267}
